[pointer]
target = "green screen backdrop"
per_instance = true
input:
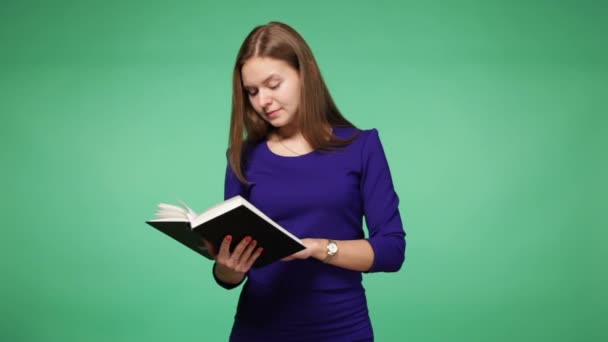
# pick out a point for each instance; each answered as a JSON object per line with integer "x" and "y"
{"x": 492, "y": 115}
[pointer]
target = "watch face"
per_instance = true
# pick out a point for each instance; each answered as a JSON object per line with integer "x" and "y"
{"x": 332, "y": 248}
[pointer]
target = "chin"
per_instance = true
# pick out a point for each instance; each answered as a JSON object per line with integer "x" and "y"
{"x": 277, "y": 123}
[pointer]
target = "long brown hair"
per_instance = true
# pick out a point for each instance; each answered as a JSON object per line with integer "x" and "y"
{"x": 316, "y": 112}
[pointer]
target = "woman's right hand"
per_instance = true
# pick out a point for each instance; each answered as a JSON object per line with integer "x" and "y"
{"x": 232, "y": 267}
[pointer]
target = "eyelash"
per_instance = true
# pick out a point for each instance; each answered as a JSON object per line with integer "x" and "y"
{"x": 273, "y": 88}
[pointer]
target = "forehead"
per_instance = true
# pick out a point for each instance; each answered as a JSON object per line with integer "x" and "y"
{"x": 257, "y": 70}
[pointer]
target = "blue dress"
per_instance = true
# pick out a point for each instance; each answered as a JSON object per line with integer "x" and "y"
{"x": 318, "y": 195}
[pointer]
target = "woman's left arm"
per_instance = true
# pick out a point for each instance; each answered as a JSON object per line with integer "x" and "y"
{"x": 355, "y": 255}
{"x": 384, "y": 249}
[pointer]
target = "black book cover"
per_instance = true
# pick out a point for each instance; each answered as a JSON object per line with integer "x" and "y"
{"x": 239, "y": 223}
{"x": 181, "y": 231}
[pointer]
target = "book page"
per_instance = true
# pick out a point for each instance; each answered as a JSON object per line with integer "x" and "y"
{"x": 190, "y": 213}
{"x": 168, "y": 212}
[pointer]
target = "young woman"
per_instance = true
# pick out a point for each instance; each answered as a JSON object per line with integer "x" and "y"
{"x": 294, "y": 156}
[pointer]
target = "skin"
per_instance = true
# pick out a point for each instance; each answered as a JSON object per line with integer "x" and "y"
{"x": 274, "y": 92}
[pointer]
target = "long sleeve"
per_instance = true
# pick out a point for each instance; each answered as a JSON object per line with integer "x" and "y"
{"x": 381, "y": 208}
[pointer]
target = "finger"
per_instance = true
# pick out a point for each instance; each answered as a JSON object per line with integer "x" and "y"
{"x": 254, "y": 257}
{"x": 248, "y": 250}
{"x": 224, "y": 253}
{"x": 238, "y": 250}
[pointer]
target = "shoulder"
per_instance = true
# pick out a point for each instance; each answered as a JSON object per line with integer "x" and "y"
{"x": 361, "y": 136}
{"x": 251, "y": 151}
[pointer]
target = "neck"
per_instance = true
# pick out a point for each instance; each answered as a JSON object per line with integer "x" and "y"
{"x": 291, "y": 142}
{"x": 286, "y": 133}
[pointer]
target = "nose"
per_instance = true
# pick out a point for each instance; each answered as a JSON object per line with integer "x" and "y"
{"x": 264, "y": 99}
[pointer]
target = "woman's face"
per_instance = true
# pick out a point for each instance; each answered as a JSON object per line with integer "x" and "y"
{"x": 273, "y": 88}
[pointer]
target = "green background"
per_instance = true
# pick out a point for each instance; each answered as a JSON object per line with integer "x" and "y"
{"x": 492, "y": 114}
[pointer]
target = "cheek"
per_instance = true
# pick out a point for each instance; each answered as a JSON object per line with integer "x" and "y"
{"x": 291, "y": 95}
{"x": 253, "y": 104}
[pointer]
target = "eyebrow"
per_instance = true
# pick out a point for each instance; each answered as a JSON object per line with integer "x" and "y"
{"x": 268, "y": 79}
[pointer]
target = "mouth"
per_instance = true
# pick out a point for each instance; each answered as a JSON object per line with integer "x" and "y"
{"x": 272, "y": 113}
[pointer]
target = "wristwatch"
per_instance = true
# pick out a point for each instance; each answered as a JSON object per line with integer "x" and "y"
{"x": 332, "y": 250}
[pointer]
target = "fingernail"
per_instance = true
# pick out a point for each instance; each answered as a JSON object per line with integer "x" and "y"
{"x": 247, "y": 239}
{"x": 228, "y": 238}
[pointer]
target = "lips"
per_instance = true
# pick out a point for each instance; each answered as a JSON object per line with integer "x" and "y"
{"x": 272, "y": 113}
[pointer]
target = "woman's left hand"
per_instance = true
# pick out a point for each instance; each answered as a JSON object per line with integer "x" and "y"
{"x": 314, "y": 249}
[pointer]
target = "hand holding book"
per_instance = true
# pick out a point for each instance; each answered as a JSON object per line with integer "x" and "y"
{"x": 235, "y": 217}
{"x": 232, "y": 266}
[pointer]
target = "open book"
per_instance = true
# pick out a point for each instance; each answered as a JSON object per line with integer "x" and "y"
{"x": 236, "y": 217}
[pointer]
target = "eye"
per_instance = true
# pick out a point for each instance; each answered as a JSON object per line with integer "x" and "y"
{"x": 273, "y": 87}
{"x": 252, "y": 93}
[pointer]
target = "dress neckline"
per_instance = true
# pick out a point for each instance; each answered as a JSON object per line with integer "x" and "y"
{"x": 302, "y": 156}
{"x": 299, "y": 157}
